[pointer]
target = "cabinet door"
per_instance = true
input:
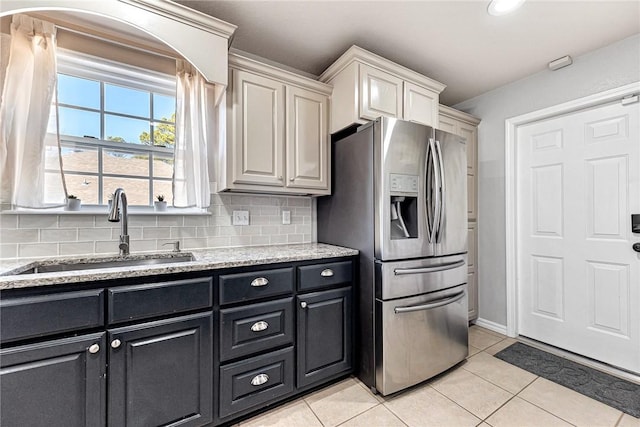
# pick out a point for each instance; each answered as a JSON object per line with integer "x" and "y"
{"x": 307, "y": 139}
{"x": 54, "y": 383}
{"x": 258, "y": 130}
{"x": 472, "y": 288}
{"x": 471, "y": 197}
{"x": 324, "y": 335}
{"x": 380, "y": 94}
{"x": 447, "y": 124}
{"x": 470, "y": 134}
{"x": 161, "y": 373}
{"x": 420, "y": 105}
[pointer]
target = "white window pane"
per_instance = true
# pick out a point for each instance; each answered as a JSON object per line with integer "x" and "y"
{"x": 125, "y": 163}
{"x": 162, "y": 166}
{"x": 123, "y": 129}
{"x": 118, "y": 99}
{"x": 76, "y": 158}
{"x": 137, "y": 190}
{"x": 84, "y": 187}
{"x": 164, "y": 188}
{"x": 77, "y": 91}
{"x": 81, "y": 123}
{"x": 164, "y": 107}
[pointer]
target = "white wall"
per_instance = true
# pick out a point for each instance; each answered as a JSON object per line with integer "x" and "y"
{"x": 606, "y": 68}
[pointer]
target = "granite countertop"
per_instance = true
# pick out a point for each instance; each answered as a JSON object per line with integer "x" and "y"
{"x": 204, "y": 259}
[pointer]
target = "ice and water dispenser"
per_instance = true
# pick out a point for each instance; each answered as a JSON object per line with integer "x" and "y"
{"x": 404, "y": 206}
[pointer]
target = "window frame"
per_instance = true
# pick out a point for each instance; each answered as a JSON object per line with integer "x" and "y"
{"x": 81, "y": 65}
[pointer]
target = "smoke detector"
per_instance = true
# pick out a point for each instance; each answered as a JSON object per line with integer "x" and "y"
{"x": 502, "y": 7}
{"x": 556, "y": 64}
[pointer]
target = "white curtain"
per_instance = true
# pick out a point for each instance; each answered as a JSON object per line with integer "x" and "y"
{"x": 193, "y": 130}
{"x": 29, "y": 86}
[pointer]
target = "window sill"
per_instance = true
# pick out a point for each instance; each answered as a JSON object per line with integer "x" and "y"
{"x": 102, "y": 210}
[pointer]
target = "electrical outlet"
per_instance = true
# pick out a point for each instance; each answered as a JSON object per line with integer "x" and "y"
{"x": 240, "y": 218}
{"x": 286, "y": 217}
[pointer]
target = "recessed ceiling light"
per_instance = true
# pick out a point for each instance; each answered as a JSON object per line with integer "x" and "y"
{"x": 502, "y": 7}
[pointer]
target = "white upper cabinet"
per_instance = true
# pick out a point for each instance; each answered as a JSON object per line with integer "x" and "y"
{"x": 464, "y": 125}
{"x": 367, "y": 86}
{"x": 277, "y": 131}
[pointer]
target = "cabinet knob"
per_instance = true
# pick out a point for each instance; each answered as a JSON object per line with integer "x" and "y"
{"x": 94, "y": 348}
{"x": 259, "y": 379}
{"x": 259, "y": 326}
{"x": 303, "y": 304}
{"x": 292, "y": 179}
{"x": 280, "y": 178}
{"x": 259, "y": 281}
{"x": 115, "y": 343}
{"x": 327, "y": 272}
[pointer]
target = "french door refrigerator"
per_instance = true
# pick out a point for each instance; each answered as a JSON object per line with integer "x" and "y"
{"x": 400, "y": 198}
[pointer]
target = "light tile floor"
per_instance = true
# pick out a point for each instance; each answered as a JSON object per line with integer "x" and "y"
{"x": 483, "y": 391}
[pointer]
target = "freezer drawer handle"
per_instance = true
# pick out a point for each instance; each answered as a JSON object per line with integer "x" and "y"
{"x": 400, "y": 271}
{"x": 440, "y": 303}
{"x": 260, "y": 281}
{"x": 327, "y": 272}
{"x": 259, "y": 379}
{"x": 259, "y": 326}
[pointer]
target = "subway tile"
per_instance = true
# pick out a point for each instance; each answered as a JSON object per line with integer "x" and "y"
{"x": 259, "y": 200}
{"x": 237, "y": 200}
{"x": 76, "y": 248}
{"x": 8, "y": 222}
{"x": 303, "y": 229}
{"x": 106, "y": 247}
{"x": 217, "y": 242}
{"x": 215, "y": 199}
{"x": 295, "y": 238}
{"x": 156, "y": 233}
{"x": 8, "y": 250}
{"x": 298, "y": 201}
{"x": 143, "y": 220}
{"x": 37, "y": 249}
{"x": 81, "y": 221}
{"x": 260, "y": 220}
{"x": 183, "y": 232}
{"x": 196, "y": 221}
{"x": 37, "y": 221}
{"x": 170, "y": 221}
{"x": 250, "y": 230}
{"x": 269, "y": 210}
{"x": 229, "y": 230}
{"x": 85, "y": 234}
{"x": 269, "y": 229}
{"x": 287, "y": 229}
{"x": 260, "y": 240}
{"x": 278, "y": 239}
{"x": 207, "y": 231}
{"x": 213, "y": 210}
{"x": 303, "y": 211}
{"x": 20, "y": 236}
{"x": 239, "y": 240}
{"x": 198, "y": 243}
{"x": 306, "y": 238}
{"x": 58, "y": 235}
{"x": 221, "y": 220}
{"x": 142, "y": 245}
{"x": 134, "y": 233}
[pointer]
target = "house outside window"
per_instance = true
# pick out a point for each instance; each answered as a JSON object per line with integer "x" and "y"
{"x": 117, "y": 129}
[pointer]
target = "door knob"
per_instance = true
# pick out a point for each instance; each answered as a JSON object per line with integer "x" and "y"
{"x": 636, "y": 247}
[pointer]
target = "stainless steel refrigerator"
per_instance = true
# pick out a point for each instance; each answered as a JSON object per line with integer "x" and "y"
{"x": 400, "y": 197}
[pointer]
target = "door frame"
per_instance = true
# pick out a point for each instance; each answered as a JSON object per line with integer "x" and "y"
{"x": 511, "y": 174}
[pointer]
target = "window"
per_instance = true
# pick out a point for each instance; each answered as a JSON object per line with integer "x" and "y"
{"x": 117, "y": 129}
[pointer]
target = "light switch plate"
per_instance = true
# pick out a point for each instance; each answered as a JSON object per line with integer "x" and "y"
{"x": 286, "y": 217}
{"x": 240, "y": 218}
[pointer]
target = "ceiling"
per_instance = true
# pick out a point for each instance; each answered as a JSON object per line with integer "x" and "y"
{"x": 454, "y": 42}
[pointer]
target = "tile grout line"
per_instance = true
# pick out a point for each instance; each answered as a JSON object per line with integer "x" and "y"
{"x": 312, "y": 411}
{"x": 619, "y": 419}
{"x": 456, "y": 403}
{"x": 539, "y": 407}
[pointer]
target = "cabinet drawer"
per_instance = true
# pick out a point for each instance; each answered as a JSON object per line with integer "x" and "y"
{"x": 324, "y": 275}
{"x": 257, "y": 327}
{"x": 50, "y": 314}
{"x": 256, "y": 284}
{"x": 255, "y": 381}
{"x": 136, "y": 302}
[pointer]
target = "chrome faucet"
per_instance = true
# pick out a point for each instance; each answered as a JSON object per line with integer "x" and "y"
{"x": 114, "y": 216}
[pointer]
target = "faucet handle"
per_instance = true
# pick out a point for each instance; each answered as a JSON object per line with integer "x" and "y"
{"x": 176, "y": 245}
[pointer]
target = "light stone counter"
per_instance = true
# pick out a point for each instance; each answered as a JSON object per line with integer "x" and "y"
{"x": 204, "y": 259}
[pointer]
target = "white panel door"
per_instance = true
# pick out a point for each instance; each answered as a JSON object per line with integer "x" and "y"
{"x": 578, "y": 182}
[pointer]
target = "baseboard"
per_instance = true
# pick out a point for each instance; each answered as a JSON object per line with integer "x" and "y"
{"x": 492, "y": 326}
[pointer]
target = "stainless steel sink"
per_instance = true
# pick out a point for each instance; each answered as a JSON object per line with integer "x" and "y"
{"x": 124, "y": 262}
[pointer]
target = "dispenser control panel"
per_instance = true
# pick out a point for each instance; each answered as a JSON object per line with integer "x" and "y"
{"x": 403, "y": 183}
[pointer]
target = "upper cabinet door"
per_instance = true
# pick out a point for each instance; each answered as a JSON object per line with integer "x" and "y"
{"x": 258, "y": 141}
{"x": 307, "y": 139}
{"x": 447, "y": 124}
{"x": 470, "y": 133}
{"x": 380, "y": 94}
{"x": 420, "y": 105}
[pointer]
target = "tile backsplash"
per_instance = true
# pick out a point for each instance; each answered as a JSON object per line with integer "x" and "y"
{"x": 34, "y": 235}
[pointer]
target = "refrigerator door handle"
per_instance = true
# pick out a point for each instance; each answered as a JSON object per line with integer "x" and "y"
{"x": 430, "y": 305}
{"x": 441, "y": 189}
{"x": 422, "y": 270}
{"x": 433, "y": 207}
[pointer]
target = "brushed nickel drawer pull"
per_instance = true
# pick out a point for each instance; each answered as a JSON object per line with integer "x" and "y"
{"x": 259, "y": 379}
{"x": 259, "y": 326}
{"x": 327, "y": 272}
{"x": 260, "y": 281}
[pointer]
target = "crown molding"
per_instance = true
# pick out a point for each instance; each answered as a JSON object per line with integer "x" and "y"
{"x": 459, "y": 115}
